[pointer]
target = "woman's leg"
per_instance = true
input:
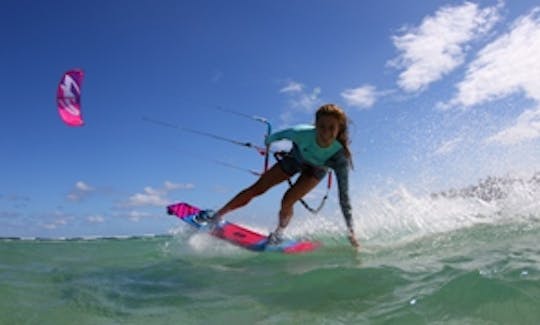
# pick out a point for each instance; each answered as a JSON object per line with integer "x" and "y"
{"x": 270, "y": 178}
{"x": 301, "y": 187}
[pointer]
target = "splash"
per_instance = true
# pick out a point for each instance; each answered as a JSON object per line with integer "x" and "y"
{"x": 402, "y": 216}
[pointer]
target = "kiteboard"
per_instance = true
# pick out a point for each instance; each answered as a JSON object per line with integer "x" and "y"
{"x": 238, "y": 235}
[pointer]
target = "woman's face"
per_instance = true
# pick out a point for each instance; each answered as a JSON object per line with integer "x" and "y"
{"x": 327, "y": 130}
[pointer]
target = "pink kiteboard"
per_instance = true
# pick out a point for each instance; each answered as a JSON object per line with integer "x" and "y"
{"x": 237, "y": 234}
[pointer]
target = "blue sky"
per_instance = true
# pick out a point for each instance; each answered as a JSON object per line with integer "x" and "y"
{"x": 441, "y": 94}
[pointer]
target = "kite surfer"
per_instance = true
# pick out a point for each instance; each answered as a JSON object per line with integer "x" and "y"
{"x": 315, "y": 149}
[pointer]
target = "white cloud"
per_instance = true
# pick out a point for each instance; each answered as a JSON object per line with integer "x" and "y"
{"x": 95, "y": 219}
{"x": 170, "y": 186}
{"x": 362, "y": 97}
{"x": 286, "y": 118}
{"x": 301, "y": 99}
{"x": 82, "y": 186}
{"x": 292, "y": 87}
{"x": 155, "y": 197}
{"x": 527, "y": 127}
{"x": 150, "y": 196}
{"x": 436, "y": 47}
{"x": 50, "y": 226}
{"x": 80, "y": 191}
{"x": 508, "y": 65}
{"x": 136, "y": 216}
{"x": 56, "y": 223}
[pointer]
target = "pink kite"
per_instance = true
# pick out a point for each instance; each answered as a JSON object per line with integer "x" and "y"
{"x": 68, "y": 97}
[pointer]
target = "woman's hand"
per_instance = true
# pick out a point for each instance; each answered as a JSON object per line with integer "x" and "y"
{"x": 352, "y": 239}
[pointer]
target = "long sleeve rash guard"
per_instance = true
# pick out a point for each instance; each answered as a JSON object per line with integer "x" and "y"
{"x": 306, "y": 150}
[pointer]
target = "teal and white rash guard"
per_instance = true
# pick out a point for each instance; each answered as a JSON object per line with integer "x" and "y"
{"x": 306, "y": 150}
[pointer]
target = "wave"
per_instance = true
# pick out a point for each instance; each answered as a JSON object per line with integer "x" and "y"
{"x": 398, "y": 217}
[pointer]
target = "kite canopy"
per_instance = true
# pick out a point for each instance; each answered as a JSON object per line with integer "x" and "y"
{"x": 68, "y": 97}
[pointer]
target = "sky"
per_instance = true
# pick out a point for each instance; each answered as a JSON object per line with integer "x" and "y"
{"x": 440, "y": 94}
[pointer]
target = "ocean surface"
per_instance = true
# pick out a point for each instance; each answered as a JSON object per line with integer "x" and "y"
{"x": 445, "y": 259}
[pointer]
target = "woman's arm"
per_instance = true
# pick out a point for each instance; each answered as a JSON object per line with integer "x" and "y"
{"x": 341, "y": 167}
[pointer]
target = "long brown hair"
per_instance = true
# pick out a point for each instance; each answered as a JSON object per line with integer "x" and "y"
{"x": 343, "y": 134}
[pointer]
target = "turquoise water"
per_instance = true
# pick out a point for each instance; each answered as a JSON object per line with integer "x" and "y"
{"x": 482, "y": 274}
{"x": 466, "y": 257}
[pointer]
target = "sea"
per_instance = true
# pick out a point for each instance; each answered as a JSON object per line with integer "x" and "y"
{"x": 469, "y": 256}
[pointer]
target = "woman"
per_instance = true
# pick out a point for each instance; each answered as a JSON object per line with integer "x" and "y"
{"x": 315, "y": 149}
